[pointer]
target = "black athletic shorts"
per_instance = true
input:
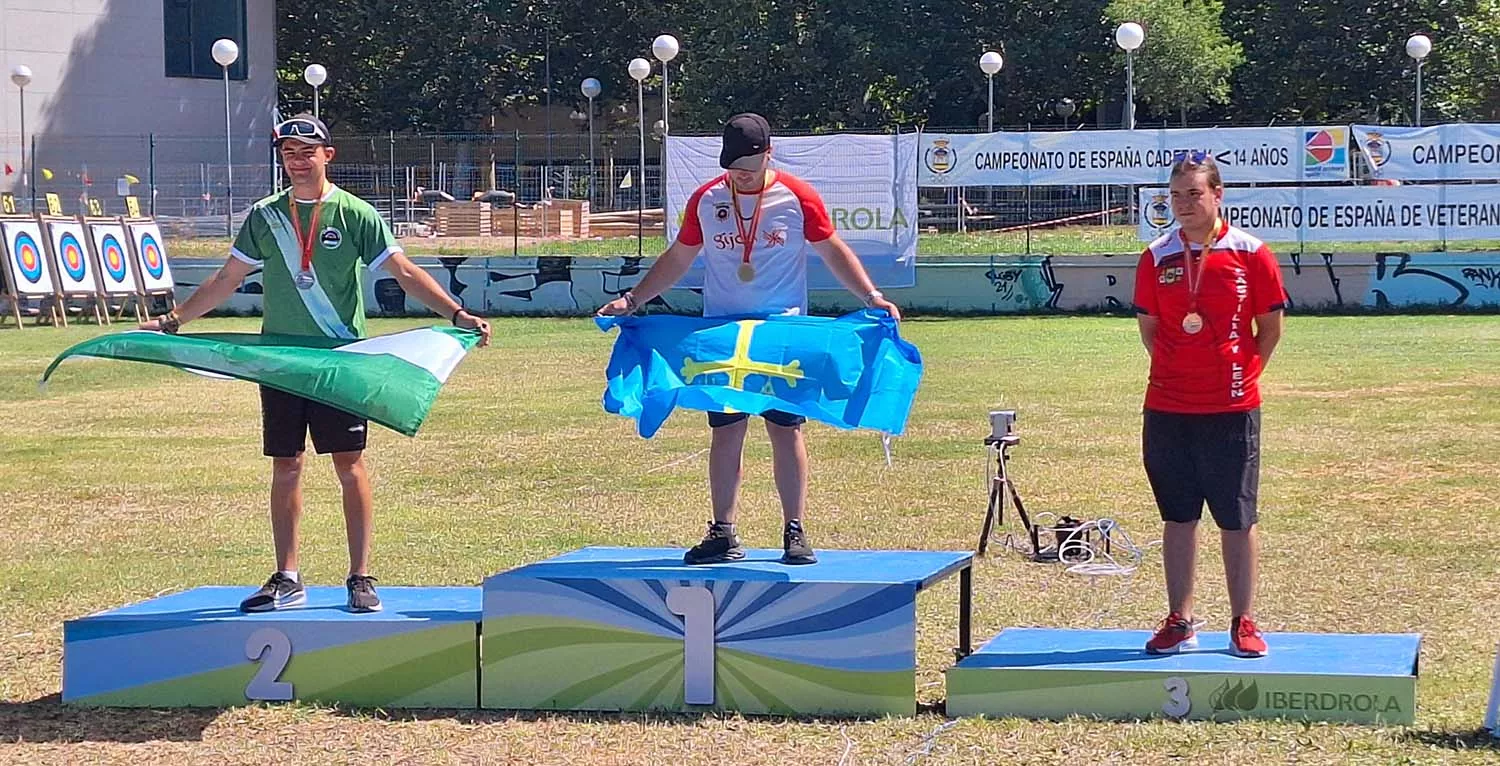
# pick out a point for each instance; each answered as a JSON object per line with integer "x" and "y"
{"x": 1196, "y": 459}
{"x": 287, "y": 418}
{"x": 784, "y": 419}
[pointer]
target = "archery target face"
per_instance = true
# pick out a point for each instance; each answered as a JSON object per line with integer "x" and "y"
{"x": 70, "y": 254}
{"x": 151, "y": 256}
{"x": 112, "y": 253}
{"x": 28, "y": 255}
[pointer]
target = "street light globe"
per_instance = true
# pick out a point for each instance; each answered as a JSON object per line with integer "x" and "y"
{"x": 1066, "y": 108}
{"x": 591, "y": 88}
{"x": 664, "y": 48}
{"x": 225, "y": 51}
{"x": 315, "y": 75}
{"x": 20, "y": 74}
{"x": 1129, "y": 36}
{"x": 639, "y": 69}
{"x": 1418, "y": 46}
{"x": 991, "y": 62}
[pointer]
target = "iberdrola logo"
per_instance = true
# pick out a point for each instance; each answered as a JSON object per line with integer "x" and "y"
{"x": 1237, "y": 697}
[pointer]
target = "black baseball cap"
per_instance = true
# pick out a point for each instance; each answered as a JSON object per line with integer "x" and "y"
{"x": 746, "y": 137}
{"x": 304, "y": 128}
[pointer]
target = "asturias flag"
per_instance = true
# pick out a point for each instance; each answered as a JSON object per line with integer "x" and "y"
{"x": 854, "y": 371}
{"x": 389, "y": 379}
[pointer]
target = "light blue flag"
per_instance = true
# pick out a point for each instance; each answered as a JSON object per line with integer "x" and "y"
{"x": 852, "y": 372}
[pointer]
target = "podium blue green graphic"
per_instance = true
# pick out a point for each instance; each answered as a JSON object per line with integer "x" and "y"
{"x": 196, "y": 649}
{"x": 635, "y": 629}
{"x": 1044, "y": 673}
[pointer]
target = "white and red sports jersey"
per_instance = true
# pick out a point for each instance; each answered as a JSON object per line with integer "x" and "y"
{"x": 1216, "y": 369}
{"x": 791, "y": 216}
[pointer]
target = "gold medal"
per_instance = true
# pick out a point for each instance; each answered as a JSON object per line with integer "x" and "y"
{"x": 747, "y": 272}
{"x": 1192, "y": 323}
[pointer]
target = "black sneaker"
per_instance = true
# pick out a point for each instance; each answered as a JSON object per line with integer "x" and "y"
{"x": 718, "y": 546}
{"x": 279, "y": 592}
{"x": 794, "y": 545}
{"x": 362, "y": 596}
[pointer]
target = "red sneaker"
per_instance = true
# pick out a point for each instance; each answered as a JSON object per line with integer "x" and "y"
{"x": 1173, "y": 635}
{"x": 1245, "y": 639}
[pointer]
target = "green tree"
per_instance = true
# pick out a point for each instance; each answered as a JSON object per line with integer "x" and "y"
{"x": 1187, "y": 60}
{"x": 1469, "y": 85}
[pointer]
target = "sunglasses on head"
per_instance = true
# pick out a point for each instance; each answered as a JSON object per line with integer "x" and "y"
{"x": 1195, "y": 156}
{"x": 299, "y": 129}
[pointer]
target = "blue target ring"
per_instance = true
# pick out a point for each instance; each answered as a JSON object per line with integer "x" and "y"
{"x": 151, "y": 256}
{"x": 73, "y": 261}
{"x": 28, "y": 257}
{"x": 114, "y": 258}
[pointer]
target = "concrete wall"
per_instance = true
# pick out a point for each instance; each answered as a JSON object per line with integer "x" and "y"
{"x": 576, "y": 286}
{"x": 99, "y": 70}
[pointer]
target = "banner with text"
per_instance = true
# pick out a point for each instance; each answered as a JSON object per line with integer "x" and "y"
{"x": 867, "y": 182}
{"x": 1345, "y": 213}
{"x": 1081, "y": 157}
{"x": 1439, "y": 153}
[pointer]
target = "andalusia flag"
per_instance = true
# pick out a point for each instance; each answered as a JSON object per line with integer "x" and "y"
{"x": 390, "y": 379}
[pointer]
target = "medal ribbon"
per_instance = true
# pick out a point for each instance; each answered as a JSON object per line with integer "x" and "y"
{"x": 306, "y": 243}
{"x": 748, "y": 238}
{"x": 1195, "y": 276}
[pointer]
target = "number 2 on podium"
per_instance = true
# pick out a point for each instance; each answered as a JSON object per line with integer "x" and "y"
{"x": 696, "y": 607}
{"x": 277, "y": 651}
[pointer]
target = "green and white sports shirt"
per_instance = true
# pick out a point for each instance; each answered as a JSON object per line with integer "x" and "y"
{"x": 350, "y": 237}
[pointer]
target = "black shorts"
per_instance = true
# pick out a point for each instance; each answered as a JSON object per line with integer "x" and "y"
{"x": 287, "y": 418}
{"x": 1193, "y": 459}
{"x": 783, "y": 419}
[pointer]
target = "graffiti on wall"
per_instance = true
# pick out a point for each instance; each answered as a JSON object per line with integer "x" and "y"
{"x": 567, "y": 286}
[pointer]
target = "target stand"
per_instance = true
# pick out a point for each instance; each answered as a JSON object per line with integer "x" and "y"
{"x": 116, "y": 266}
{"x": 27, "y": 275}
{"x": 154, "y": 272}
{"x": 77, "y": 279}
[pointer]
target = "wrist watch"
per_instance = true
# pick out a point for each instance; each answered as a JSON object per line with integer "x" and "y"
{"x": 871, "y": 296}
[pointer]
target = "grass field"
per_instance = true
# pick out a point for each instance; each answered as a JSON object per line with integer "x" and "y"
{"x": 1073, "y": 240}
{"x": 1380, "y": 433}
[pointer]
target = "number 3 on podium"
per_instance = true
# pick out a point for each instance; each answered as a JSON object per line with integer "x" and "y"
{"x": 276, "y": 648}
{"x": 696, "y": 607}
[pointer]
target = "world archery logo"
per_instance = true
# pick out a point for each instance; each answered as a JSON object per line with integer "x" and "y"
{"x": 1325, "y": 153}
{"x": 151, "y": 256}
{"x": 28, "y": 257}
{"x": 114, "y": 258}
{"x": 1239, "y": 697}
{"x": 740, "y": 366}
{"x": 72, "y": 257}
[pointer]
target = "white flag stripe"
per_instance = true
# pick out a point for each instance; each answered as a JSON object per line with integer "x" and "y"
{"x": 437, "y": 353}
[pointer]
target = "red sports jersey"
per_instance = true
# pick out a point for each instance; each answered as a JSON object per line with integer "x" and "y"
{"x": 1217, "y": 368}
{"x": 792, "y": 215}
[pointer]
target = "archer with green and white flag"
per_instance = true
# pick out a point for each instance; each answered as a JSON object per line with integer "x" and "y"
{"x": 313, "y": 245}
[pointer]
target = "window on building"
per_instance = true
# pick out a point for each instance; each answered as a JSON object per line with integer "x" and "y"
{"x": 192, "y": 26}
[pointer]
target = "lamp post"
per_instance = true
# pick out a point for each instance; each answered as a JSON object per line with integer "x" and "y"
{"x": 990, "y": 64}
{"x": 1418, "y": 46}
{"x": 639, "y": 70}
{"x": 664, "y": 48}
{"x": 226, "y": 52}
{"x": 1129, "y": 37}
{"x": 1065, "y": 109}
{"x": 591, "y": 89}
{"x": 20, "y": 74}
{"x": 315, "y": 75}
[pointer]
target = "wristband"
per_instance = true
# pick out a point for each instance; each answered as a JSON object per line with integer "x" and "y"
{"x": 454, "y": 319}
